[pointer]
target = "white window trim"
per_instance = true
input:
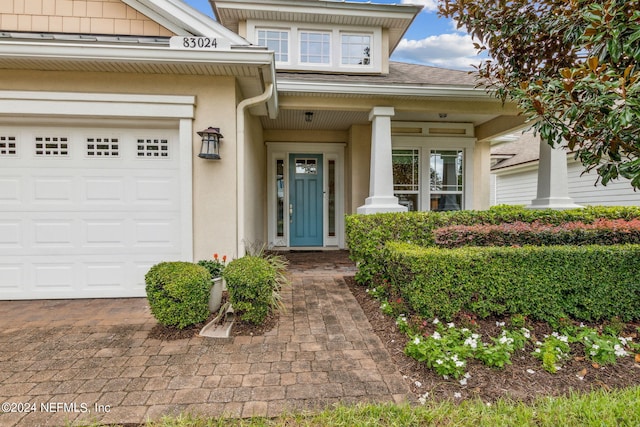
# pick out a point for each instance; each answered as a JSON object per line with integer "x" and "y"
{"x": 426, "y": 145}
{"x": 282, "y": 30}
{"x": 375, "y": 65}
{"x": 331, "y": 48}
{"x": 329, "y": 151}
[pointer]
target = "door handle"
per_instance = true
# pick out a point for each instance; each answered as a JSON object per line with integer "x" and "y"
{"x": 290, "y": 213}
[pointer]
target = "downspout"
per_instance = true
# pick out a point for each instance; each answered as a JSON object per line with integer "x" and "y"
{"x": 240, "y": 142}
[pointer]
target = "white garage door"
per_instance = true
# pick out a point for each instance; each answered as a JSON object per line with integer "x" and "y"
{"x": 84, "y": 212}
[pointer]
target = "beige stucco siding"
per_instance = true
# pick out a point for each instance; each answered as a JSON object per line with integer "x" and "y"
{"x": 357, "y": 166}
{"x": 255, "y": 196}
{"x": 482, "y": 173}
{"x": 77, "y": 16}
{"x": 214, "y": 186}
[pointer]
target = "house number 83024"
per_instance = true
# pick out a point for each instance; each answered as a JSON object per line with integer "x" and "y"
{"x": 198, "y": 43}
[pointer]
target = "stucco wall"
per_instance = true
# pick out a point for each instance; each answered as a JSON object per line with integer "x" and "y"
{"x": 214, "y": 186}
{"x": 357, "y": 166}
{"x": 255, "y": 200}
{"x": 77, "y": 16}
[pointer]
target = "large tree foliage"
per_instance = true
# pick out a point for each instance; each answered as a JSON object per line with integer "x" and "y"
{"x": 573, "y": 66}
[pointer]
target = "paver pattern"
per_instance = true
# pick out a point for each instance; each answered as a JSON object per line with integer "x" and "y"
{"x": 83, "y": 361}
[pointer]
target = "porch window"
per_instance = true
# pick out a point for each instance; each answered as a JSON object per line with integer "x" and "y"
{"x": 406, "y": 177}
{"x": 356, "y": 49}
{"x": 277, "y": 41}
{"x": 446, "y": 180}
{"x": 315, "y": 47}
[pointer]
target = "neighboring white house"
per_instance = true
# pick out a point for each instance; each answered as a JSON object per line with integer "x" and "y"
{"x": 514, "y": 176}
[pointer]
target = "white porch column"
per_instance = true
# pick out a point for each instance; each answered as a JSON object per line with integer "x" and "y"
{"x": 553, "y": 188}
{"x": 381, "y": 198}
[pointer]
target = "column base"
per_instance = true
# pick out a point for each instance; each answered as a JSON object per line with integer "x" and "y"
{"x": 554, "y": 203}
{"x": 374, "y": 205}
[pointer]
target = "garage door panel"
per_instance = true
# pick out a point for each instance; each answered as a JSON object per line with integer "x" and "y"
{"x": 85, "y": 221}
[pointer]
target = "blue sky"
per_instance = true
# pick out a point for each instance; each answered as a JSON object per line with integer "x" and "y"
{"x": 430, "y": 40}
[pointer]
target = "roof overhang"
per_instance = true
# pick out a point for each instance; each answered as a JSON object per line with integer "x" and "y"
{"x": 254, "y": 68}
{"x": 396, "y": 18}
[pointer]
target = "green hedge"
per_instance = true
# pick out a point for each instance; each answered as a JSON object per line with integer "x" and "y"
{"x": 178, "y": 293}
{"x": 586, "y": 283}
{"x": 599, "y": 232}
{"x": 367, "y": 234}
{"x": 251, "y": 282}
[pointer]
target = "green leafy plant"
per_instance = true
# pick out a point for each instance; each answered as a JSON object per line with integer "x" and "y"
{"x": 215, "y": 266}
{"x": 178, "y": 293}
{"x": 254, "y": 284}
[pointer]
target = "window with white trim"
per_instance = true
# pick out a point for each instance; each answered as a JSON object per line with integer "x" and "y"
{"x": 277, "y": 41}
{"x": 315, "y": 47}
{"x": 103, "y": 147}
{"x": 8, "y": 146}
{"x": 446, "y": 180}
{"x": 153, "y": 147}
{"x": 51, "y": 146}
{"x": 356, "y": 49}
{"x": 406, "y": 177}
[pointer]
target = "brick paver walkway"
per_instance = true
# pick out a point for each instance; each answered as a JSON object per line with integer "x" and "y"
{"x": 90, "y": 360}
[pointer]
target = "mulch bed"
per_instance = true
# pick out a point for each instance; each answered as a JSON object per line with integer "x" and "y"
{"x": 240, "y": 328}
{"x": 490, "y": 384}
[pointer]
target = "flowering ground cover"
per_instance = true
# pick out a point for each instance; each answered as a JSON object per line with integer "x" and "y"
{"x": 510, "y": 357}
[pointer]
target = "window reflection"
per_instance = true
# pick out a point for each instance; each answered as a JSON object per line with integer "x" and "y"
{"x": 446, "y": 180}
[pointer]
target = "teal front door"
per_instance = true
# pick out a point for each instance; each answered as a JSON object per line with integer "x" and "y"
{"x": 305, "y": 200}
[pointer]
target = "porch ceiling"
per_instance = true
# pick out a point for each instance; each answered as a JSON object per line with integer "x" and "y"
{"x": 342, "y": 120}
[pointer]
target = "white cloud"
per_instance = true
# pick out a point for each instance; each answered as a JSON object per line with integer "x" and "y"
{"x": 445, "y": 50}
{"x": 429, "y": 5}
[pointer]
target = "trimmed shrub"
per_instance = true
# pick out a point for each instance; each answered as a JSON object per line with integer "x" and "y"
{"x": 588, "y": 283}
{"x": 600, "y": 232}
{"x": 367, "y": 234}
{"x": 178, "y": 293}
{"x": 251, "y": 282}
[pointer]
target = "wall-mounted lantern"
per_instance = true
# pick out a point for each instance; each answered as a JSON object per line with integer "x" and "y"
{"x": 210, "y": 148}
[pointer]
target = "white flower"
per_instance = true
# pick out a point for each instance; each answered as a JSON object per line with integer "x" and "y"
{"x": 459, "y": 363}
{"x": 416, "y": 340}
{"x": 467, "y": 375}
{"x": 526, "y": 333}
{"x": 538, "y": 343}
{"x": 531, "y": 371}
{"x": 505, "y": 340}
{"x": 538, "y": 350}
{"x": 418, "y": 384}
{"x": 454, "y": 357}
{"x": 595, "y": 346}
{"x": 475, "y": 336}
{"x": 463, "y": 381}
{"x": 446, "y": 377}
{"x": 464, "y": 330}
{"x": 439, "y": 362}
{"x": 436, "y": 336}
{"x": 451, "y": 325}
{"x": 457, "y": 395}
{"x": 488, "y": 403}
{"x": 436, "y": 321}
{"x": 619, "y": 351}
{"x": 500, "y": 324}
{"x": 423, "y": 399}
{"x": 581, "y": 325}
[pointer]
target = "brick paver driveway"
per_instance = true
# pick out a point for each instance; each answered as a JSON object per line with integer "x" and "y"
{"x": 91, "y": 360}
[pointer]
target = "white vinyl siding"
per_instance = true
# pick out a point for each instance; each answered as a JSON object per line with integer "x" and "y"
{"x": 520, "y": 188}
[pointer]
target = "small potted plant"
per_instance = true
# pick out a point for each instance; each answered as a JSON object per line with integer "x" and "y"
{"x": 215, "y": 267}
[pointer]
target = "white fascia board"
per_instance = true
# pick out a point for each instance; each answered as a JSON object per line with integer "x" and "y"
{"x": 130, "y": 53}
{"x": 183, "y": 20}
{"x": 328, "y": 8}
{"x": 96, "y": 104}
{"x": 381, "y": 90}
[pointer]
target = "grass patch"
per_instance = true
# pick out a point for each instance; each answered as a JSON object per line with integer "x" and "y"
{"x": 598, "y": 408}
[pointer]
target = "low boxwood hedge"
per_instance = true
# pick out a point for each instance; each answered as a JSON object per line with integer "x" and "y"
{"x": 251, "y": 282}
{"x": 367, "y": 234}
{"x": 586, "y": 283}
{"x": 178, "y": 293}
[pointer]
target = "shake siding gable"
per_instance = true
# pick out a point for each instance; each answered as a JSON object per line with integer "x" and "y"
{"x": 77, "y": 16}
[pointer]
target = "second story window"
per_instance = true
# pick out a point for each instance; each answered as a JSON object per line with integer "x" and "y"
{"x": 277, "y": 41}
{"x": 356, "y": 49}
{"x": 315, "y": 47}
